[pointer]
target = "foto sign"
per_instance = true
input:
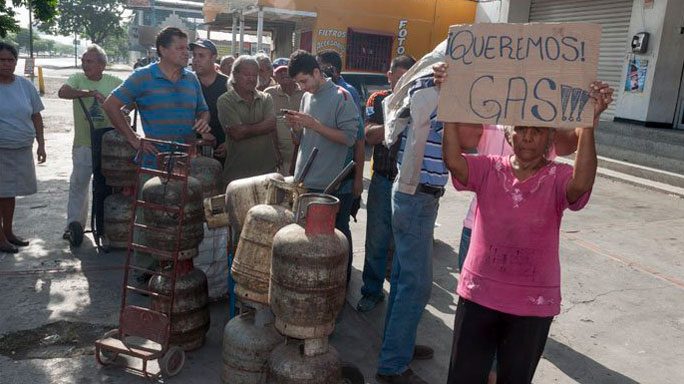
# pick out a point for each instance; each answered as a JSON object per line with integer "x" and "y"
{"x": 521, "y": 74}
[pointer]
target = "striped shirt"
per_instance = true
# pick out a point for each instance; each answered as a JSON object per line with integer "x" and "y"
{"x": 433, "y": 171}
{"x": 168, "y": 110}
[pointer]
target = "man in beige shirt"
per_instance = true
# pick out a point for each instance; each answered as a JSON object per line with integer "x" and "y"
{"x": 286, "y": 95}
{"x": 248, "y": 118}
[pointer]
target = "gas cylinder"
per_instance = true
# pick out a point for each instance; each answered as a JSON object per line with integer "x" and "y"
{"x": 308, "y": 270}
{"x": 167, "y": 192}
{"x": 118, "y": 211}
{"x": 248, "y": 340}
{"x": 294, "y": 363}
{"x": 207, "y": 170}
{"x": 117, "y": 160}
{"x": 190, "y": 316}
{"x": 243, "y": 194}
{"x": 252, "y": 264}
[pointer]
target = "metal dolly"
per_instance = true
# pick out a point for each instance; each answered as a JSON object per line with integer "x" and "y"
{"x": 144, "y": 333}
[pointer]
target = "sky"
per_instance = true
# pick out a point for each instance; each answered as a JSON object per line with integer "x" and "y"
{"x": 23, "y": 17}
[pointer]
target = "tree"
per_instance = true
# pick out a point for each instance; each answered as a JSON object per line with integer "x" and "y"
{"x": 43, "y": 10}
{"x": 116, "y": 46}
{"x": 94, "y": 19}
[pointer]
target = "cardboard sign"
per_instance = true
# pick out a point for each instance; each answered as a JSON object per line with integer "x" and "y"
{"x": 521, "y": 74}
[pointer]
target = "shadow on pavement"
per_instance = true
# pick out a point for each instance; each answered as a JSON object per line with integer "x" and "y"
{"x": 581, "y": 368}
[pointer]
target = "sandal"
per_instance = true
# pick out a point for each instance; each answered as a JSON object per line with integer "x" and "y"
{"x": 8, "y": 248}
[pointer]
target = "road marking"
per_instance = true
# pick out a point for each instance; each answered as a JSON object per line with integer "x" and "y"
{"x": 639, "y": 267}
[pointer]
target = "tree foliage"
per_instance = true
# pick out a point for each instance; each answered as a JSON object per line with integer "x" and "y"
{"x": 95, "y": 20}
{"x": 43, "y": 11}
{"x": 40, "y": 45}
{"x": 117, "y": 46}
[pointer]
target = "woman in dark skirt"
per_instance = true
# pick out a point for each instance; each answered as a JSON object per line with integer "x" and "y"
{"x": 20, "y": 124}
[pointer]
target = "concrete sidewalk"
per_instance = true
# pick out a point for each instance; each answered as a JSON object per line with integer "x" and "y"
{"x": 621, "y": 320}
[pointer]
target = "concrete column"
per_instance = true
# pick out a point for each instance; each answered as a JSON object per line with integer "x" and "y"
{"x": 283, "y": 41}
{"x": 503, "y": 11}
{"x": 260, "y": 28}
{"x": 242, "y": 33}
{"x": 233, "y": 30}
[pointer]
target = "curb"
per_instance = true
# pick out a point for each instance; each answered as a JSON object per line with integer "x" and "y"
{"x": 633, "y": 180}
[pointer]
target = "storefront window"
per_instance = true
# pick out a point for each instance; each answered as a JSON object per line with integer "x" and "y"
{"x": 368, "y": 51}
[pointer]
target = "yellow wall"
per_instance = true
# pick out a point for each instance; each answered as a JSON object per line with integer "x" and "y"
{"x": 427, "y": 21}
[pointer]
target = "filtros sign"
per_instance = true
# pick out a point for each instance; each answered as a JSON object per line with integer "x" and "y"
{"x": 521, "y": 74}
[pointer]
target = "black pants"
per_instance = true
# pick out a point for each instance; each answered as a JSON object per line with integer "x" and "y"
{"x": 480, "y": 333}
{"x": 100, "y": 188}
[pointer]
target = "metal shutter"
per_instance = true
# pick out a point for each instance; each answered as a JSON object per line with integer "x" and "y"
{"x": 612, "y": 15}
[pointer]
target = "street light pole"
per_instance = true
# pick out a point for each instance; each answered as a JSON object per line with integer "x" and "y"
{"x": 75, "y": 49}
{"x": 30, "y": 9}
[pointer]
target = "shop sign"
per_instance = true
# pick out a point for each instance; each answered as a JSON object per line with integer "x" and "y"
{"x": 521, "y": 74}
{"x": 331, "y": 39}
{"x": 401, "y": 39}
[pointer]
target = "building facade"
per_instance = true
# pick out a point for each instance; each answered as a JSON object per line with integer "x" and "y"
{"x": 648, "y": 81}
{"x": 367, "y": 34}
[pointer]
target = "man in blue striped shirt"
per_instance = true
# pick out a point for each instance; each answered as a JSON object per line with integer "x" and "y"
{"x": 168, "y": 96}
{"x": 415, "y": 200}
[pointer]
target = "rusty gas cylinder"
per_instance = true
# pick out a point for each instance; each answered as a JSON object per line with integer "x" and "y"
{"x": 207, "y": 170}
{"x": 118, "y": 212}
{"x": 308, "y": 270}
{"x": 243, "y": 194}
{"x": 296, "y": 362}
{"x": 167, "y": 192}
{"x": 248, "y": 340}
{"x": 252, "y": 264}
{"x": 190, "y": 316}
{"x": 117, "y": 157}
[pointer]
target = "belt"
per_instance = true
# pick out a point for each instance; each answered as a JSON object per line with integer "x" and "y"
{"x": 431, "y": 190}
{"x": 386, "y": 175}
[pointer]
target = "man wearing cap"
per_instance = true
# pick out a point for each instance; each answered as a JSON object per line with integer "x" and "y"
{"x": 213, "y": 84}
{"x": 265, "y": 72}
{"x": 286, "y": 95}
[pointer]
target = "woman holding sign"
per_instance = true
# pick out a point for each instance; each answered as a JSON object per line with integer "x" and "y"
{"x": 510, "y": 284}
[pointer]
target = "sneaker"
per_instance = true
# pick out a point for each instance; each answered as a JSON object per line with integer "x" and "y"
{"x": 408, "y": 377}
{"x": 422, "y": 352}
{"x": 369, "y": 302}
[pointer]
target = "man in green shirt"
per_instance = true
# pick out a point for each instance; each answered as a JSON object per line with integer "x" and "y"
{"x": 286, "y": 95}
{"x": 92, "y": 86}
{"x": 248, "y": 118}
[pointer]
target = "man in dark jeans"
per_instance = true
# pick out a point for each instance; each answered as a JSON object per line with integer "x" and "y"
{"x": 379, "y": 239}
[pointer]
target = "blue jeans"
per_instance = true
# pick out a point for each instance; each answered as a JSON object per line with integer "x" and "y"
{"x": 379, "y": 237}
{"x": 413, "y": 225}
{"x": 342, "y": 223}
{"x": 463, "y": 246}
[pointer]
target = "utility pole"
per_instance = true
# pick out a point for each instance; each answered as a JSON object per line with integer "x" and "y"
{"x": 30, "y": 9}
{"x": 75, "y": 50}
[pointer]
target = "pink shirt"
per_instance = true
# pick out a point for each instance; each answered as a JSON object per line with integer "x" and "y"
{"x": 512, "y": 264}
{"x": 492, "y": 142}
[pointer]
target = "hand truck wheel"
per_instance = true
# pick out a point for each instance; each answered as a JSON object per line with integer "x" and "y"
{"x": 172, "y": 362}
{"x": 75, "y": 233}
{"x": 107, "y": 357}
